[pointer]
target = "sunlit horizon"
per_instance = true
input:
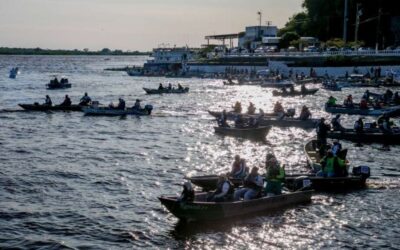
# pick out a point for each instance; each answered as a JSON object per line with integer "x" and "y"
{"x": 130, "y": 24}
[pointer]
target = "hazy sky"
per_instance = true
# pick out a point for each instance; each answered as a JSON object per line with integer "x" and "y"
{"x": 130, "y": 24}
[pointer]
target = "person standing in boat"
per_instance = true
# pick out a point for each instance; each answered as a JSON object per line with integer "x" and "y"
{"x": 66, "y": 102}
{"x": 169, "y": 86}
{"x": 322, "y": 130}
{"x": 239, "y": 169}
{"x": 253, "y": 184}
{"x": 48, "y": 101}
{"x": 224, "y": 191}
{"x": 303, "y": 89}
{"x": 85, "y": 100}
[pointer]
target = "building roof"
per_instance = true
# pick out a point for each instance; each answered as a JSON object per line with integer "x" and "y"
{"x": 225, "y": 36}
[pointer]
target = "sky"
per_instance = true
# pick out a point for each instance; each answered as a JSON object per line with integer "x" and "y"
{"x": 131, "y": 24}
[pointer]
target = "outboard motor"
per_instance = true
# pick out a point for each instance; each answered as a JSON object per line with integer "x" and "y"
{"x": 290, "y": 112}
{"x": 302, "y": 183}
{"x": 149, "y": 108}
{"x": 363, "y": 171}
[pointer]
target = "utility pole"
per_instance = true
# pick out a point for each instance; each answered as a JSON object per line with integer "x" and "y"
{"x": 358, "y": 14}
{"x": 345, "y": 19}
{"x": 378, "y": 29}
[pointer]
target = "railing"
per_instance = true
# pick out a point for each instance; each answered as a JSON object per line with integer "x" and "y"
{"x": 311, "y": 54}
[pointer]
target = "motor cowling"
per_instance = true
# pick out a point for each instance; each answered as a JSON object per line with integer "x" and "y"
{"x": 149, "y": 108}
{"x": 302, "y": 183}
{"x": 363, "y": 171}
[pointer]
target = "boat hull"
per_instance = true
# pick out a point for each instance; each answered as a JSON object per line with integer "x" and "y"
{"x": 210, "y": 211}
{"x": 114, "y": 112}
{"x": 255, "y": 133}
{"x": 166, "y": 91}
{"x": 296, "y": 93}
{"x": 39, "y": 107}
{"x": 358, "y": 111}
{"x": 63, "y": 86}
{"x": 366, "y": 137}
{"x": 288, "y": 122}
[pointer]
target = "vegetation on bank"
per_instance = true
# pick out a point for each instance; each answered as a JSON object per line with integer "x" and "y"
{"x": 379, "y": 23}
{"x": 75, "y": 52}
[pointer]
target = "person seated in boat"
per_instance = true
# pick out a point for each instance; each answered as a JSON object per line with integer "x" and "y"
{"x": 336, "y": 126}
{"x": 222, "y": 121}
{"x": 260, "y": 113}
{"x": 253, "y": 184}
{"x": 251, "y": 110}
{"x": 284, "y": 91}
{"x": 62, "y": 81}
{"x": 331, "y": 101}
{"x": 237, "y": 108}
{"x": 239, "y": 121}
{"x": 66, "y": 102}
{"x": 137, "y": 105}
{"x": 169, "y": 86}
{"x": 332, "y": 166}
{"x": 121, "y": 104}
{"x": 291, "y": 89}
{"x": 187, "y": 194}
{"x": 160, "y": 87}
{"x": 348, "y": 102}
{"x": 180, "y": 86}
{"x": 359, "y": 126}
{"x": 305, "y": 113}
{"x": 254, "y": 122}
{"x": 275, "y": 175}
{"x": 322, "y": 131}
{"x": 396, "y": 98}
{"x": 85, "y": 100}
{"x": 366, "y": 95}
{"x": 239, "y": 169}
{"x": 48, "y": 101}
{"x": 224, "y": 191}
{"x": 278, "y": 108}
{"x": 388, "y": 95}
{"x": 363, "y": 104}
{"x": 387, "y": 126}
{"x": 55, "y": 81}
{"x": 303, "y": 89}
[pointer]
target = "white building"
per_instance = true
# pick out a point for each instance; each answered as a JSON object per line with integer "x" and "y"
{"x": 254, "y": 35}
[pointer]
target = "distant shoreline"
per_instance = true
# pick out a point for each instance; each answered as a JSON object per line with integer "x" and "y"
{"x": 61, "y": 52}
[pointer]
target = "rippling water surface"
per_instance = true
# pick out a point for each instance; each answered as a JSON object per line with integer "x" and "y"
{"x": 70, "y": 181}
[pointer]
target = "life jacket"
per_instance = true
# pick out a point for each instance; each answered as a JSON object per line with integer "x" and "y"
{"x": 251, "y": 182}
{"x": 333, "y": 165}
{"x": 221, "y": 185}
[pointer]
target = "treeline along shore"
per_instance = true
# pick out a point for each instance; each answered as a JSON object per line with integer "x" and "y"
{"x": 75, "y": 52}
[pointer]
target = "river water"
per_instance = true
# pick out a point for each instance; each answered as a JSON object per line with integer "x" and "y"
{"x": 70, "y": 181}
